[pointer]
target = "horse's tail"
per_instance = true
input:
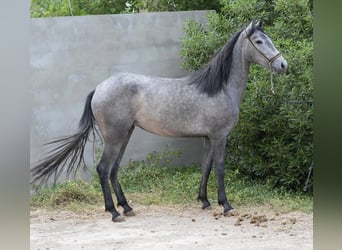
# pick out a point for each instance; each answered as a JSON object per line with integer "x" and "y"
{"x": 67, "y": 150}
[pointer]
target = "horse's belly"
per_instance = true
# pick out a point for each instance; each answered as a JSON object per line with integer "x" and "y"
{"x": 157, "y": 130}
{"x": 170, "y": 128}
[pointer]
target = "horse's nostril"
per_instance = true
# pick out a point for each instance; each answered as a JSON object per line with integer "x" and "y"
{"x": 282, "y": 65}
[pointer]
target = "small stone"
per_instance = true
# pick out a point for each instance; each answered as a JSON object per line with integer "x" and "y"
{"x": 293, "y": 220}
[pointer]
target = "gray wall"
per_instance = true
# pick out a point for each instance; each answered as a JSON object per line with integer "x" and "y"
{"x": 71, "y": 55}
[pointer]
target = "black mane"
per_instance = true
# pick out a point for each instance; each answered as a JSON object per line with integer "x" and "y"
{"x": 212, "y": 78}
{"x": 214, "y": 75}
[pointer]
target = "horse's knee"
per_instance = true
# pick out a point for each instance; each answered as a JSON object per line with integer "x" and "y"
{"x": 219, "y": 169}
{"x": 102, "y": 172}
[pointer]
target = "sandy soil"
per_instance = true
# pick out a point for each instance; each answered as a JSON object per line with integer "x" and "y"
{"x": 161, "y": 227}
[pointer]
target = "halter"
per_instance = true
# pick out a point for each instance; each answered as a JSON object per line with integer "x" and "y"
{"x": 270, "y": 61}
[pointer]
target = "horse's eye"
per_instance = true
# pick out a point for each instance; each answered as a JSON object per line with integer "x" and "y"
{"x": 258, "y": 42}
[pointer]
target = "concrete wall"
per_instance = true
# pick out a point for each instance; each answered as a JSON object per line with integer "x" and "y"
{"x": 71, "y": 55}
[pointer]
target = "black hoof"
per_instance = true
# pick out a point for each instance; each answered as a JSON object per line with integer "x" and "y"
{"x": 118, "y": 218}
{"x": 129, "y": 213}
{"x": 227, "y": 208}
{"x": 230, "y": 213}
{"x": 206, "y": 205}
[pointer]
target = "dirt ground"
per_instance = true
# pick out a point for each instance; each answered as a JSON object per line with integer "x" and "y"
{"x": 161, "y": 227}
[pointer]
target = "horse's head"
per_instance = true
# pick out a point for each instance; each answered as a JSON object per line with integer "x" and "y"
{"x": 260, "y": 49}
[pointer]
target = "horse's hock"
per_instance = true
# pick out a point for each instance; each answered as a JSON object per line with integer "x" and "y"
{"x": 71, "y": 55}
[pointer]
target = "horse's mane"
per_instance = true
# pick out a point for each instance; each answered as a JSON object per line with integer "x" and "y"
{"x": 212, "y": 77}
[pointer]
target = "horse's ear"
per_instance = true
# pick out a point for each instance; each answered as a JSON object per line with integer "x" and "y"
{"x": 250, "y": 28}
{"x": 260, "y": 23}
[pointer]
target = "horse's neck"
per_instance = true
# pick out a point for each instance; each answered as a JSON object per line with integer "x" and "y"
{"x": 238, "y": 78}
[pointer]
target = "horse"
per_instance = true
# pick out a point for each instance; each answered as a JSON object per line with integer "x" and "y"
{"x": 205, "y": 103}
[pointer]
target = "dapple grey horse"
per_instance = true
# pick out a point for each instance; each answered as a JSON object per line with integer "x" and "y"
{"x": 203, "y": 104}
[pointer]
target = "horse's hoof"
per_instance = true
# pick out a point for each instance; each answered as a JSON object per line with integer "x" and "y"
{"x": 118, "y": 219}
{"x": 207, "y": 208}
{"x": 206, "y": 205}
{"x": 129, "y": 213}
{"x": 227, "y": 209}
{"x": 231, "y": 212}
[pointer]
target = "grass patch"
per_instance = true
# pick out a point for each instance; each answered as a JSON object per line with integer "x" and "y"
{"x": 74, "y": 195}
{"x": 175, "y": 185}
{"x": 179, "y": 185}
{"x": 151, "y": 182}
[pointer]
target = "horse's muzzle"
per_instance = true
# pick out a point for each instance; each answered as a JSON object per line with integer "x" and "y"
{"x": 280, "y": 65}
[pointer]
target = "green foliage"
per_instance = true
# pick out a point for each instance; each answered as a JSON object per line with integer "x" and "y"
{"x": 67, "y": 193}
{"x": 273, "y": 139}
{"x": 48, "y": 8}
{"x": 180, "y": 5}
{"x": 51, "y": 8}
{"x": 202, "y": 42}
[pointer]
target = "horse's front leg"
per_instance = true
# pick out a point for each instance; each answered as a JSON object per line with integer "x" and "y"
{"x": 219, "y": 147}
{"x": 207, "y": 161}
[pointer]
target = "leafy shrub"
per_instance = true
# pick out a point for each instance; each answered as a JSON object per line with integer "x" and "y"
{"x": 202, "y": 42}
{"x": 177, "y": 5}
{"x": 273, "y": 139}
{"x": 47, "y": 8}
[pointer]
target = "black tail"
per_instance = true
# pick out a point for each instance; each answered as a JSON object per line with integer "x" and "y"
{"x": 68, "y": 150}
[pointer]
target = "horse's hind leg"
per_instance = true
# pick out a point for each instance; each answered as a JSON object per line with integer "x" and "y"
{"x": 128, "y": 211}
{"x": 205, "y": 168}
{"x": 109, "y": 155}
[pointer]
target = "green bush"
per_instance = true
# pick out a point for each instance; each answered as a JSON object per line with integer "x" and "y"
{"x": 47, "y": 8}
{"x": 178, "y": 5}
{"x": 273, "y": 139}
